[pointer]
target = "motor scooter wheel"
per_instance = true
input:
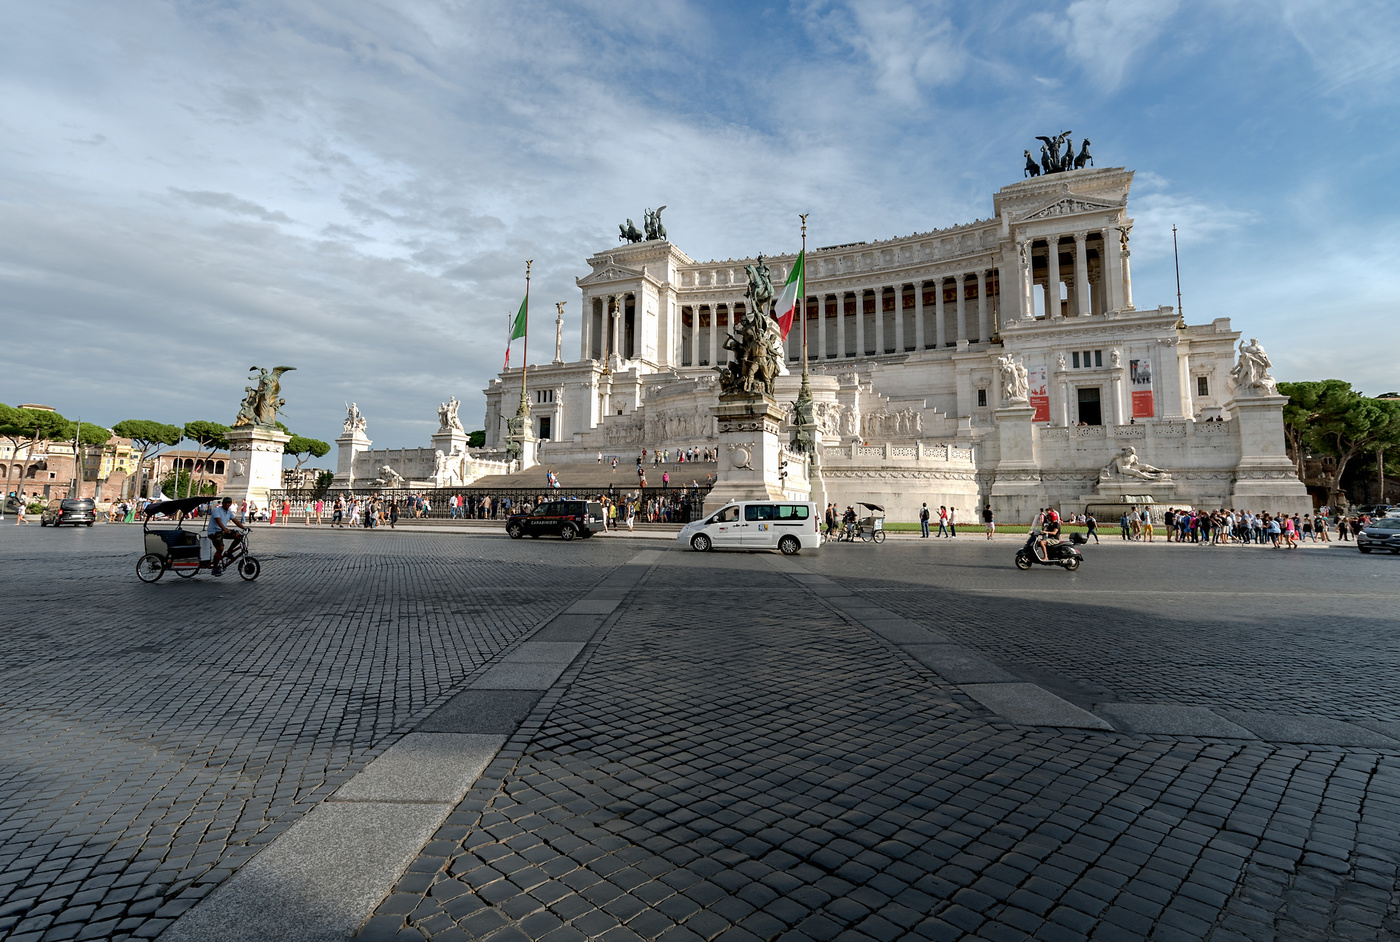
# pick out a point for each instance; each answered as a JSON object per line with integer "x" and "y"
{"x": 1072, "y": 563}
{"x": 1023, "y": 560}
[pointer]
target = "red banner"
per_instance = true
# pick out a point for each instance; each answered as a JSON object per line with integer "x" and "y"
{"x": 1140, "y": 379}
{"x": 1039, "y": 393}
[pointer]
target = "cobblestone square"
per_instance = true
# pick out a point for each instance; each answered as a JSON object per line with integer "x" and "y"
{"x": 1206, "y": 740}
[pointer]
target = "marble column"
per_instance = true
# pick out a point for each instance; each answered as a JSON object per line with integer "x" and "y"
{"x": 1027, "y": 280}
{"x": 898, "y": 320}
{"x": 1127, "y": 272}
{"x": 714, "y": 335}
{"x": 860, "y": 322}
{"x": 1052, "y": 278}
{"x": 820, "y": 327}
{"x": 960, "y": 281}
{"x": 919, "y": 315}
{"x": 940, "y": 320}
{"x": 1081, "y": 274}
{"x": 879, "y": 321}
{"x": 1063, "y": 386}
{"x": 695, "y": 335}
{"x": 1113, "y": 270}
{"x": 586, "y": 334}
{"x": 1118, "y": 396}
{"x": 984, "y": 333}
{"x": 840, "y": 325}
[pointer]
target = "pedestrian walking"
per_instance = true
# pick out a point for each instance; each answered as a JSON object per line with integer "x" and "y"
{"x": 923, "y": 522}
{"x": 989, "y": 520}
{"x": 952, "y": 523}
{"x": 1093, "y": 528}
{"x": 942, "y": 520}
{"x": 20, "y": 508}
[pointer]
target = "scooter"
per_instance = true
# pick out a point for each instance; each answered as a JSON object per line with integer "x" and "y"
{"x": 1057, "y": 553}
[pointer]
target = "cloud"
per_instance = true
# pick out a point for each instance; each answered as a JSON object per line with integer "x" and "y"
{"x": 1351, "y": 43}
{"x": 230, "y": 203}
{"x": 1103, "y": 37}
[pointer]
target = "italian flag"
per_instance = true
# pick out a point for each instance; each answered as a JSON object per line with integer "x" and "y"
{"x": 518, "y": 326}
{"x": 786, "y": 307}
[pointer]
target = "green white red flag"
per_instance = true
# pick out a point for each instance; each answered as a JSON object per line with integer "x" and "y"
{"x": 786, "y": 307}
{"x": 518, "y": 325}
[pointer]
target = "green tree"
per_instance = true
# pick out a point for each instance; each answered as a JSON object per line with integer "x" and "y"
{"x": 181, "y": 481}
{"x": 150, "y": 436}
{"x": 1329, "y": 417}
{"x": 323, "y": 482}
{"x": 303, "y": 449}
{"x": 25, "y": 428}
{"x": 207, "y": 435}
{"x": 477, "y": 439}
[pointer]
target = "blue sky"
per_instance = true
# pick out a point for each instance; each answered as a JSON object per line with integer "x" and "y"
{"x": 187, "y": 189}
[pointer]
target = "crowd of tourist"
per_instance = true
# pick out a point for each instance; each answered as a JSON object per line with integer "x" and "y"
{"x": 1217, "y": 527}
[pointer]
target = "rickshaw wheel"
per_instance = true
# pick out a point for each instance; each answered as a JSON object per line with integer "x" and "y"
{"x": 150, "y": 568}
{"x": 867, "y": 535}
{"x": 879, "y": 536}
{"x": 248, "y": 568}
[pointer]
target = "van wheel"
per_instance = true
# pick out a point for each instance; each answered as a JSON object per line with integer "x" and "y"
{"x": 514, "y": 531}
{"x": 700, "y": 543}
{"x": 790, "y": 545}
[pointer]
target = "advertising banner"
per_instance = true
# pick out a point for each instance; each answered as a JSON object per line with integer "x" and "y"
{"x": 1039, "y": 393}
{"x": 1140, "y": 381}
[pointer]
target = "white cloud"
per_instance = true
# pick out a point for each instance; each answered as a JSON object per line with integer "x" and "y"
{"x": 1352, "y": 43}
{"x": 1103, "y": 37}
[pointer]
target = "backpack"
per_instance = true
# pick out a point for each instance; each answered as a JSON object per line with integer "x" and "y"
{"x": 923, "y": 514}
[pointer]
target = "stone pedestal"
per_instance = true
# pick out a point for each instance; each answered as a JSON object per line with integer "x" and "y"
{"x": 1265, "y": 479}
{"x": 448, "y": 440}
{"x": 255, "y": 463}
{"x": 750, "y": 452}
{"x": 1016, "y": 490}
{"x": 349, "y": 446}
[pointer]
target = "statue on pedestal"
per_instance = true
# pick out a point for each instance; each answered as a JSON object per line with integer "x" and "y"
{"x": 354, "y": 419}
{"x": 1251, "y": 372}
{"x": 1015, "y": 379}
{"x": 261, "y": 402}
{"x": 447, "y": 416}
{"x": 756, "y": 340}
{"x": 1127, "y": 465}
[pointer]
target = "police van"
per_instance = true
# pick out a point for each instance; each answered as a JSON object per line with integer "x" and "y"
{"x": 787, "y": 525}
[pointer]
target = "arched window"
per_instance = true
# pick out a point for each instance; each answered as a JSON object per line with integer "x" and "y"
{"x": 218, "y": 467}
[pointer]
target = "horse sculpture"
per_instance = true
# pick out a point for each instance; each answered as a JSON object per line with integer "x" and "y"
{"x": 629, "y": 233}
{"x": 1084, "y": 156}
{"x": 1032, "y": 168}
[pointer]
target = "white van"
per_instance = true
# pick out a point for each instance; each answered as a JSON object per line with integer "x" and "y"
{"x": 787, "y": 525}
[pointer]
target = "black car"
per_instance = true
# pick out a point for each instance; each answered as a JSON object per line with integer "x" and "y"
{"x": 564, "y": 518}
{"x": 76, "y": 512}
{"x": 1382, "y": 534}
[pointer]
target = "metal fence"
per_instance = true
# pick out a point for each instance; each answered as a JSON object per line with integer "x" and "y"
{"x": 654, "y": 504}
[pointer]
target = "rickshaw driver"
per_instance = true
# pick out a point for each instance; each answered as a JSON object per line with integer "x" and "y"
{"x": 222, "y": 522}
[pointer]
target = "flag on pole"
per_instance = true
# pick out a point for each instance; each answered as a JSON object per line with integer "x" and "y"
{"x": 518, "y": 325}
{"x": 786, "y": 307}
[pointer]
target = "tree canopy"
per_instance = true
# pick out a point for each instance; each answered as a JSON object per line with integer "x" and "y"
{"x": 208, "y": 435}
{"x": 149, "y": 436}
{"x": 303, "y": 448}
{"x": 1328, "y": 417}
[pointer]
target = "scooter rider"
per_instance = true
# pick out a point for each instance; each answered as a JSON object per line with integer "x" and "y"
{"x": 1049, "y": 531}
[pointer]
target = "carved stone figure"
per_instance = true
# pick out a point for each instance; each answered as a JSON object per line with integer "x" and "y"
{"x": 447, "y": 416}
{"x": 354, "y": 419}
{"x": 261, "y": 402}
{"x": 629, "y": 233}
{"x": 1116, "y": 358}
{"x": 1127, "y": 465}
{"x": 388, "y": 477}
{"x": 1060, "y": 363}
{"x": 1251, "y": 371}
{"x": 1015, "y": 379}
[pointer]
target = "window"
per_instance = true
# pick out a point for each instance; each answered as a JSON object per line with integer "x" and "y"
{"x": 1098, "y": 358}
{"x": 544, "y": 395}
{"x": 1076, "y": 359}
{"x": 1086, "y": 359}
{"x": 981, "y": 398}
{"x": 792, "y": 512}
{"x": 1202, "y": 386}
{"x": 758, "y": 512}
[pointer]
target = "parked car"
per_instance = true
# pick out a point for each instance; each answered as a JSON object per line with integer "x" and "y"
{"x": 75, "y": 512}
{"x": 1382, "y": 534}
{"x": 786, "y": 525}
{"x": 563, "y": 518}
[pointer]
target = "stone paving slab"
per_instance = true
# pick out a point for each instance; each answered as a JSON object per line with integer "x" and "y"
{"x": 1321, "y": 730}
{"x": 520, "y": 676}
{"x": 423, "y": 767}
{"x": 482, "y": 711}
{"x": 1170, "y": 719}
{"x": 593, "y": 606}
{"x": 1030, "y": 705}
{"x": 958, "y": 665}
{"x": 290, "y": 894}
{"x": 552, "y": 652}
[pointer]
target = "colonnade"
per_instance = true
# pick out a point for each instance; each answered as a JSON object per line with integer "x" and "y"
{"x": 1090, "y": 289}
{"x": 899, "y": 318}
{"x": 607, "y": 331}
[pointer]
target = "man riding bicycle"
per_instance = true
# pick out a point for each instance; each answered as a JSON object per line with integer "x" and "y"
{"x": 222, "y": 524}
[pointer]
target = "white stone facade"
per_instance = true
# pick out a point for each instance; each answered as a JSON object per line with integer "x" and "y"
{"x": 904, "y": 337}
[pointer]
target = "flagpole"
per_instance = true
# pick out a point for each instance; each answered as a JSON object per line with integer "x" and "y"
{"x": 525, "y": 354}
{"x": 803, "y": 289}
{"x": 804, "y": 409}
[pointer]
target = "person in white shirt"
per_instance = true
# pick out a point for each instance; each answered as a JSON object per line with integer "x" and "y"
{"x": 222, "y": 524}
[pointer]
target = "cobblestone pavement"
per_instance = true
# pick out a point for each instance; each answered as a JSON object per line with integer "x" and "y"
{"x": 760, "y": 762}
{"x": 749, "y": 747}
{"x": 154, "y": 737}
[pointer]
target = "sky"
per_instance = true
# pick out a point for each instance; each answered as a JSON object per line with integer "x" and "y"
{"x": 352, "y": 188}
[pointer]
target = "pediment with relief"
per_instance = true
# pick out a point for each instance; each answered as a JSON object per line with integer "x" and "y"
{"x": 1070, "y": 206}
{"x": 611, "y": 273}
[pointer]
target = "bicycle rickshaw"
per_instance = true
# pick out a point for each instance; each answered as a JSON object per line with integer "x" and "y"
{"x": 871, "y": 527}
{"x": 175, "y": 549}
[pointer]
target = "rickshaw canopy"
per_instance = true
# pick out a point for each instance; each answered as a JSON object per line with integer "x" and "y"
{"x": 875, "y": 507}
